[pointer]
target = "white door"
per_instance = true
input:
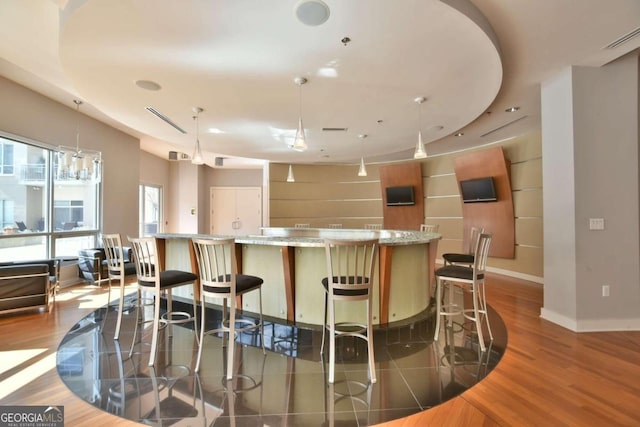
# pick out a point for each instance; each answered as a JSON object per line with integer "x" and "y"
{"x": 235, "y": 210}
{"x": 248, "y": 211}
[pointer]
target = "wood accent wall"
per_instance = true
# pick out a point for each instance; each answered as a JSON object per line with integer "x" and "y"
{"x": 402, "y": 217}
{"x": 323, "y": 195}
{"x": 495, "y": 217}
{"x": 319, "y": 189}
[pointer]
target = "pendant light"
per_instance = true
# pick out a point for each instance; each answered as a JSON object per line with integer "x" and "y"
{"x": 363, "y": 169}
{"x": 75, "y": 163}
{"x": 420, "y": 152}
{"x": 290, "y": 177}
{"x": 300, "y": 142}
{"x": 196, "y": 159}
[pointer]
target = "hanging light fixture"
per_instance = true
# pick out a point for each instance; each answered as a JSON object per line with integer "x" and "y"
{"x": 196, "y": 159}
{"x": 290, "y": 177}
{"x": 420, "y": 152}
{"x": 74, "y": 163}
{"x": 363, "y": 169}
{"x": 300, "y": 141}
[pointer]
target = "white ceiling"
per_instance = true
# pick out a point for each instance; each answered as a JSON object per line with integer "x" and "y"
{"x": 237, "y": 59}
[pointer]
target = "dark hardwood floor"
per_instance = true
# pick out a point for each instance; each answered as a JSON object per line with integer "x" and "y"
{"x": 548, "y": 375}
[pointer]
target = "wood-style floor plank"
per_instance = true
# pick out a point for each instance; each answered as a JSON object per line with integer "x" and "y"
{"x": 548, "y": 376}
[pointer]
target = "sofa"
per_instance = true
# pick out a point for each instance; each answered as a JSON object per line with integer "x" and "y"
{"x": 92, "y": 263}
{"x": 26, "y": 285}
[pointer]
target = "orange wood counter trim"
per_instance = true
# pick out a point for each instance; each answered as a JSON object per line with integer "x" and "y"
{"x": 385, "y": 254}
{"x": 288, "y": 266}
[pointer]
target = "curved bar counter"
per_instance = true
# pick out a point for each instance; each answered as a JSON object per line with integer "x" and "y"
{"x": 292, "y": 263}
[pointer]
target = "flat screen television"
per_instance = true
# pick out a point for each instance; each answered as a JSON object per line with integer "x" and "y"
{"x": 400, "y": 196}
{"x": 478, "y": 190}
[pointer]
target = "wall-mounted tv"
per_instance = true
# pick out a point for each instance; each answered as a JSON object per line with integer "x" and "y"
{"x": 400, "y": 196}
{"x": 478, "y": 190}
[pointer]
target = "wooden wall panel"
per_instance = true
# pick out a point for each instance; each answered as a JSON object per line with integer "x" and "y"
{"x": 530, "y": 261}
{"x": 315, "y": 185}
{"x": 528, "y": 203}
{"x": 403, "y": 217}
{"x": 325, "y": 208}
{"x": 323, "y": 195}
{"x": 441, "y": 185}
{"x": 496, "y": 217}
{"x": 443, "y": 207}
{"x": 450, "y": 228}
{"x": 526, "y": 175}
{"x": 529, "y": 232}
{"x": 326, "y": 191}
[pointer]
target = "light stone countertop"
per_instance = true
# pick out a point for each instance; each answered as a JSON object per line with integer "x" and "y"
{"x": 314, "y": 237}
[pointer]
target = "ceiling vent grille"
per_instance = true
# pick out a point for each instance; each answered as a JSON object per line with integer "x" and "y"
{"x": 335, "y": 129}
{"x": 622, "y": 40}
{"x": 165, "y": 119}
{"x": 503, "y": 126}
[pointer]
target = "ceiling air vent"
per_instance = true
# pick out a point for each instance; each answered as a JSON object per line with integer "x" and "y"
{"x": 165, "y": 119}
{"x": 503, "y": 126}
{"x": 622, "y": 40}
{"x": 335, "y": 129}
{"x": 175, "y": 155}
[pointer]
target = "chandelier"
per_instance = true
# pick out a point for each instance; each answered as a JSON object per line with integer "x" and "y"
{"x": 76, "y": 164}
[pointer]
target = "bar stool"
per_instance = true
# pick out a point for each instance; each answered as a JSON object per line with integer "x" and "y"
{"x": 465, "y": 258}
{"x": 471, "y": 278}
{"x": 350, "y": 270}
{"x": 301, "y": 225}
{"x": 335, "y": 226}
{"x": 118, "y": 270}
{"x": 153, "y": 279}
{"x": 219, "y": 278}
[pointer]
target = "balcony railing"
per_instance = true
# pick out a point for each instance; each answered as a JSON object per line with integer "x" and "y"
{"x": 32, "y": 173}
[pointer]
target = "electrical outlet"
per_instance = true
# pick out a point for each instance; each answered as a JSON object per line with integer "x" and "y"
{"x": 605, "y": 290}
{"x": 596, "y": 223}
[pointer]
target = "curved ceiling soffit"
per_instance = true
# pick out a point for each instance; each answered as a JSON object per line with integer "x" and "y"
{"x": 105, "y": 48}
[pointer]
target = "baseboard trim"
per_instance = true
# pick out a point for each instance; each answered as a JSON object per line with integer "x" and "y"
{"x": 509, "y": 273}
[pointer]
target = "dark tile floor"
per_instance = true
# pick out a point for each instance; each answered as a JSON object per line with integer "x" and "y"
{"x": 286, "y": 387}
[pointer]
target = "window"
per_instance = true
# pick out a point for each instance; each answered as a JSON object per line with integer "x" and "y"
{"x": 68, "y": 214}
{"x": 6, "y": 158}
{"x": 42, "y": 213}
{"x": 6, "y": 213}
{"x": 150, "y": 210}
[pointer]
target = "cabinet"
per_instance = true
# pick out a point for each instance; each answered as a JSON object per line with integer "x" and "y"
{"x": 235, "y": 211}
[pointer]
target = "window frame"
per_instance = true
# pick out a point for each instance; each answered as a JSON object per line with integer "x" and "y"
{"x": 51, "y": 235}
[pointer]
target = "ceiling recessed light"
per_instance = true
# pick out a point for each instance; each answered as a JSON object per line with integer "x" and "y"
{"x": 459, "y": 134}
{"x": 215, "y": 130}
{"x": 312, "y": 12}
{"x": 148, "y": 85}
{"x": 512, "y": 109}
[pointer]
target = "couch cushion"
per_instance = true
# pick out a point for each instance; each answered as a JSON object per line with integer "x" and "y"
{"x": 23, "y": 285}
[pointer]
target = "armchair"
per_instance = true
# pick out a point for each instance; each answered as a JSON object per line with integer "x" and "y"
{"x": 92, "y": 263}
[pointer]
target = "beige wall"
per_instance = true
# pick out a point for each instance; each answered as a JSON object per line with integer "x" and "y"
{"x": 320, "y": 196}
{"x": 324, "y": 195}
{"x": 27, "y": 114}
{"x": 443, "y": 206}
{"x": 335, "y": 194}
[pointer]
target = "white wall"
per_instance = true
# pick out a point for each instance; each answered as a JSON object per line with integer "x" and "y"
{"x": 558, "y": 200}
{"x": 28, "y": 114}
{"x": 590, "y": 165}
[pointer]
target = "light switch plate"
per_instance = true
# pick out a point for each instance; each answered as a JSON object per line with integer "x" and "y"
{"x": 596, "y": 223}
